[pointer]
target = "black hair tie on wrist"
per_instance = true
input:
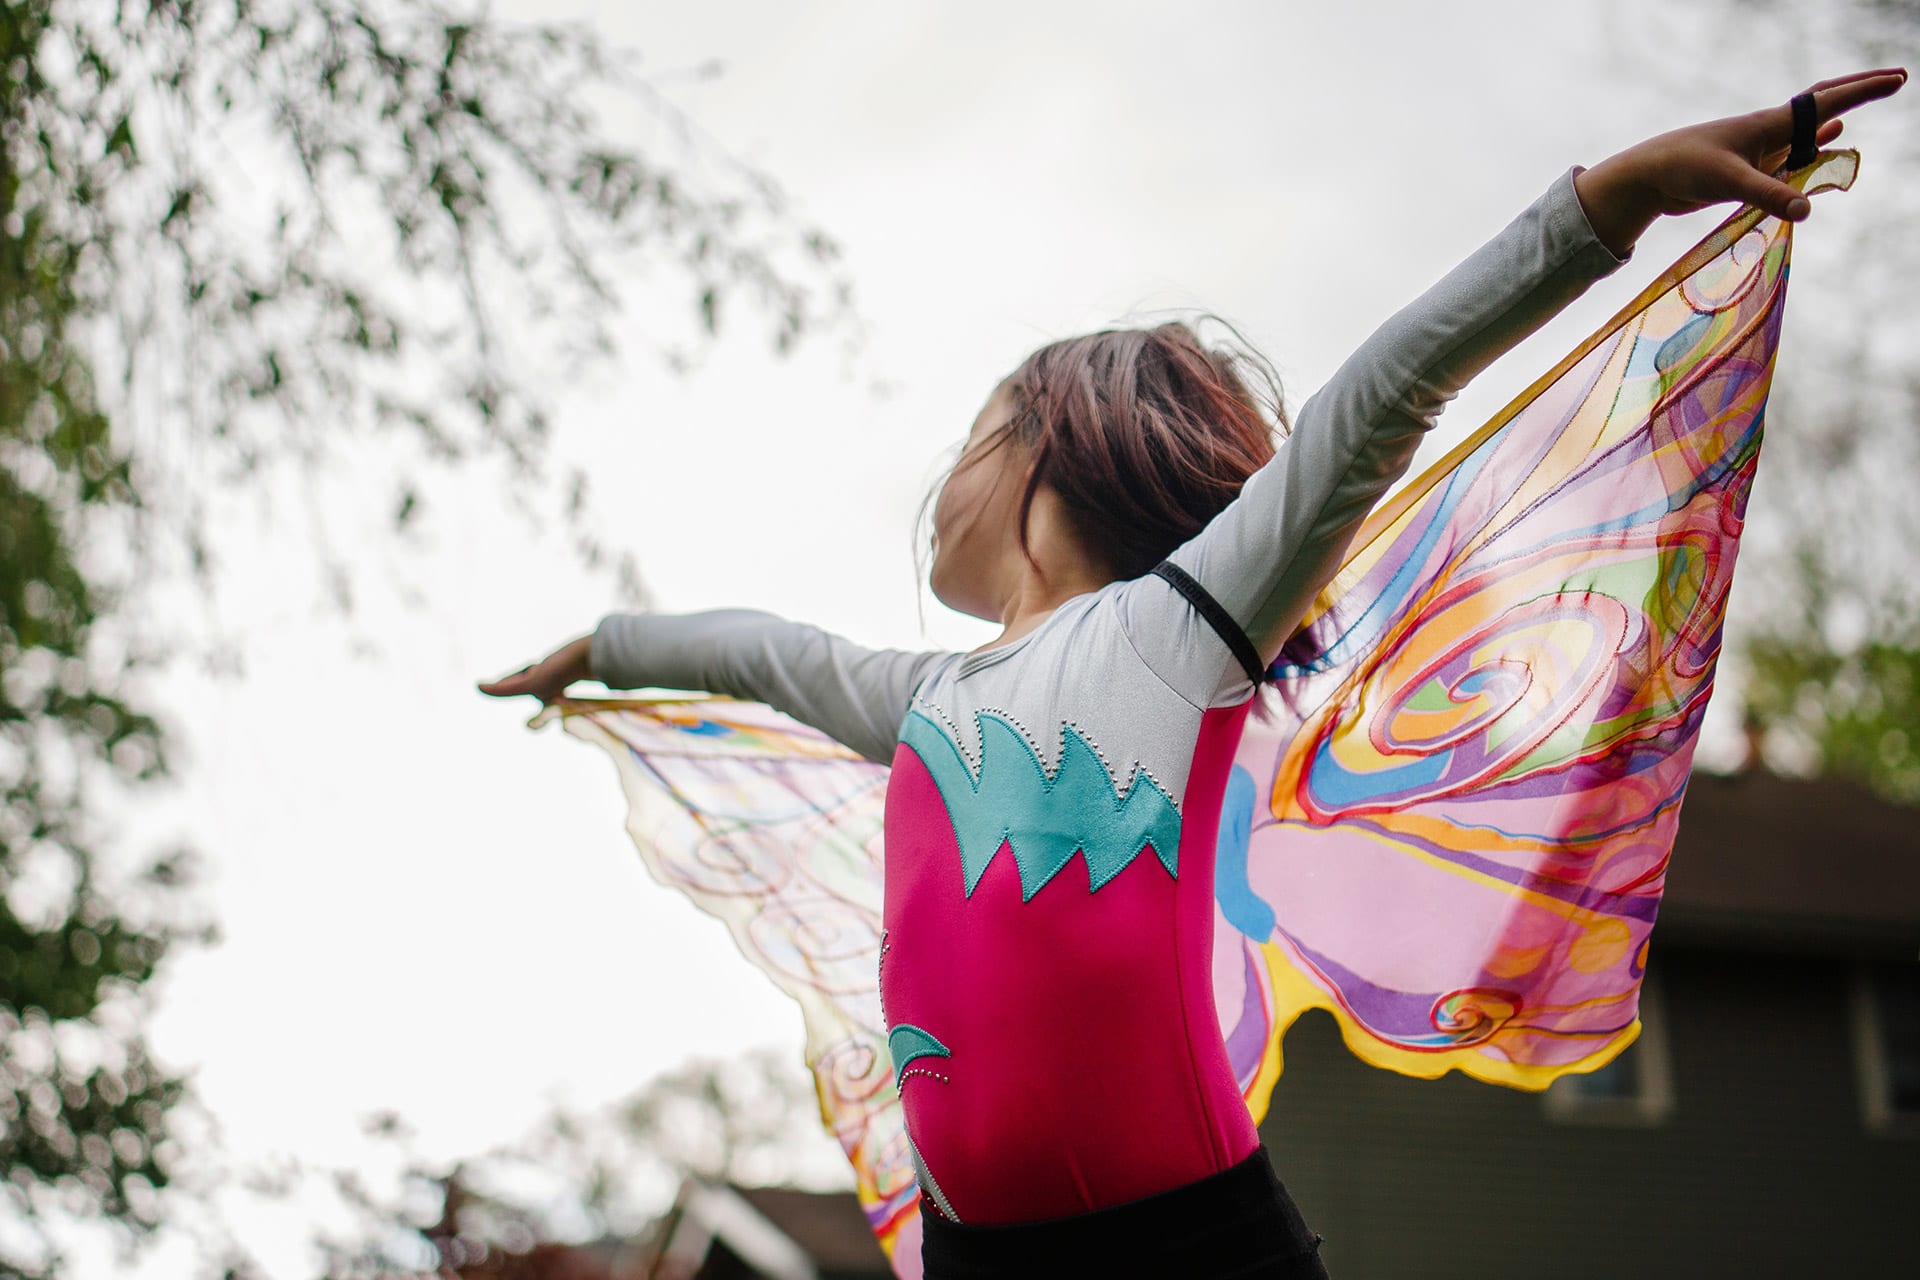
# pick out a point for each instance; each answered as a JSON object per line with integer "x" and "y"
{"x": 1804, "y": 116}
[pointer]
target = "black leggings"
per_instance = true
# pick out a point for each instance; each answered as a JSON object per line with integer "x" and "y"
{"x": 1237, "y": 1223}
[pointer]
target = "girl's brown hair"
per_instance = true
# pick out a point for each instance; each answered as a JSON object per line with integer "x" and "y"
{"x": 1145, "y": 433}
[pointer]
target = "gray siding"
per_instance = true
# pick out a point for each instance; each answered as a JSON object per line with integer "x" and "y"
{"x": 1764, "y": 1167}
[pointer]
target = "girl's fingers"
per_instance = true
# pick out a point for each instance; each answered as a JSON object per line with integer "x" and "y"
{"x": 1855, "y": 78}
{"x": 506, "y": 685}
{"x": 1765, "y": 192}
{"x": 1832, "y": 97}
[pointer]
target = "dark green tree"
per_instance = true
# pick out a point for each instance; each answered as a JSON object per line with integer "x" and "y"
{"x": 237, "y": 238}
{"x": 1829, "y": 645}
{"x": 1824, "y": 625}
{"x": 1850, "y": 708}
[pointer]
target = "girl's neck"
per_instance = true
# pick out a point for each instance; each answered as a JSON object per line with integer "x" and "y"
{"x": 1034, "y": 601}
{"x": 1053, "y": 569}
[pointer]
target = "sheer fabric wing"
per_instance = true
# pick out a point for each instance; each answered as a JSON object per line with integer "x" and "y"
{"x": 775, "y": 828}
{"x": 1453, "y": 831}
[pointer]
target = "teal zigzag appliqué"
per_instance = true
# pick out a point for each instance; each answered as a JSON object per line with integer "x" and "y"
{"x": 907, "y": 1042}
{"x": 1044, "y": 817}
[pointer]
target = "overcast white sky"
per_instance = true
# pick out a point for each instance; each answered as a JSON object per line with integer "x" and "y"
{"x": 429, "y": 908}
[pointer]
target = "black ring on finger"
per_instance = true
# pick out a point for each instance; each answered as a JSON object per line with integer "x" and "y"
{"x": 1804, "y": 117}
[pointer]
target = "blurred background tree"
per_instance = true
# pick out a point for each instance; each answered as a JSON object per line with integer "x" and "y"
{"x": 237, "y": 239}
{"x": 1825, "y": 620}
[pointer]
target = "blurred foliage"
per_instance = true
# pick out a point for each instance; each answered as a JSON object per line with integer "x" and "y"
{"x": 1824, "y": 623}
{"x": 1846, "y": 709}
{"x": 83, "y": 1118}
{"x": 235, "y": 236}
{"x": 1831, "y": 662}
{"x": 1858, "y": 711}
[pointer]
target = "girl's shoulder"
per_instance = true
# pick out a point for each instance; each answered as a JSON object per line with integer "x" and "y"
{"x": 1076, "y": 676}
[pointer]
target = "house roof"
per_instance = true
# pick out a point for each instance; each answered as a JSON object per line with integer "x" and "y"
{"x": 780, "y": 1233}
{"x": 828, "y": 1225}
{"x": 1793, "y": 860}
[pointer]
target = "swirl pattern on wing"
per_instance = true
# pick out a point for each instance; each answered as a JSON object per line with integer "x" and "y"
{"x": 1482, "y": 737}
{"x": 775, "y": 829}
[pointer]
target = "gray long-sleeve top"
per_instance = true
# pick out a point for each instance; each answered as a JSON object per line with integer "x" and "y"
{"x": 1263, "y": 557}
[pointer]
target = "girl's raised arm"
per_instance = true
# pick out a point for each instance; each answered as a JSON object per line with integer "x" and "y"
{"x": 1268, "y": 553}
{"x": 856, "y": 696}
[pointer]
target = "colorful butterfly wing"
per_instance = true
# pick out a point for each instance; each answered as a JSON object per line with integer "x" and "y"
{"x": 775, "y": 828}
{"x": 1452, "y": 831}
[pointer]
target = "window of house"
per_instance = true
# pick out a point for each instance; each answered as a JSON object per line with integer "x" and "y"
{"x": 1886, "y": 1026}
{"x": 1636, "y": 1088}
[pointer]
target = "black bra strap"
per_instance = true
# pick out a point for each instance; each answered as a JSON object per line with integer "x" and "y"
{"x": 1219, "y": 619}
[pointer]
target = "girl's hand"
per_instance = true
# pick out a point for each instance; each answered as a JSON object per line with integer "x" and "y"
{"x": 1729, "y": 159}
{"x": 548, "y": 678}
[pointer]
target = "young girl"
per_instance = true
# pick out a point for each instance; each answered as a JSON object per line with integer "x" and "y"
{"x": 1120, "y": 509}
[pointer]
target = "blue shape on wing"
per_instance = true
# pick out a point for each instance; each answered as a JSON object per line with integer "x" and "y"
{"x": 1335, "y": 786}
{"x": 1244, "y": 909}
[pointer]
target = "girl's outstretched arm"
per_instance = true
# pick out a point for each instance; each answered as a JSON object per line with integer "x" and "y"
{"x": 1270, "y": 551}
{"x": 856, "y": 696}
